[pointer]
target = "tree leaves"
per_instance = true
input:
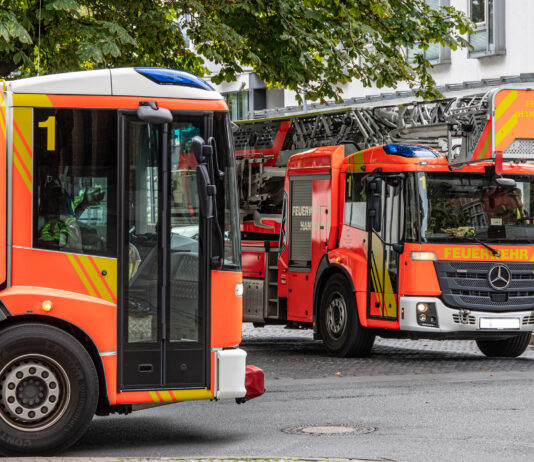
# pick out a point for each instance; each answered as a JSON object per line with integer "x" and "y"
{"x": 311, "y": 46}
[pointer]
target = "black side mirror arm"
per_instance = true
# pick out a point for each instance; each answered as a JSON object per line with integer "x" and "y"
{"x": 397, "y": 246}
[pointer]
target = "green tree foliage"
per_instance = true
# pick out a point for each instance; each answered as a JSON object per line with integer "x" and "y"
{"x": 310, "y": 46}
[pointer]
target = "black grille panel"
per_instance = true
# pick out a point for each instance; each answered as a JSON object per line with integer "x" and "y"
{"x": 466, "y": 285}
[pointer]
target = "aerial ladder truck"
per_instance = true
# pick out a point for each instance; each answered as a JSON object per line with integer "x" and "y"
{"x": 405, "y": 221}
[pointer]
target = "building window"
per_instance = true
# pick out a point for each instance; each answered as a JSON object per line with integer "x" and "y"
{"x": 488, "y": 37}
{"x": 238, "y": 104}
{"x": 435, "y": 53}
{"x": 75, "y": 161}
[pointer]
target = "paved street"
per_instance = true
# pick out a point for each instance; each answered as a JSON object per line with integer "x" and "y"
{"x": 425, "y": 400}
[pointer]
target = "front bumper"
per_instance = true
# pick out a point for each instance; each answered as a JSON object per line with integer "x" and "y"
{"x": 456, "y": 320}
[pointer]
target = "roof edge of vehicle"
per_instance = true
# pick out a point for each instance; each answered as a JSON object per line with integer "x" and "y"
{"x": 383, "y": 156}
{"x": 132, "y": 81}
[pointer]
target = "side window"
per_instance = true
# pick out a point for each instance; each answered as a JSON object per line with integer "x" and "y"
{"x": 488, "y": 37}
{"x": 75, "y": 181}
{"x": 356, "y": 201}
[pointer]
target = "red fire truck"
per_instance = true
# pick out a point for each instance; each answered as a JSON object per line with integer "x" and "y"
{"x": 396, "y": 240}
{"x": 120, "y": 269}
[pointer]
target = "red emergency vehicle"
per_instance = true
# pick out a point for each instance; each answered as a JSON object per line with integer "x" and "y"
{"x": 398, "y": 240}
{"x": 120, "y": 268}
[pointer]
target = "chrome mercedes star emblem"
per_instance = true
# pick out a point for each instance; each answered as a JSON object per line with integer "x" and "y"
{"x": 499, "y": 277}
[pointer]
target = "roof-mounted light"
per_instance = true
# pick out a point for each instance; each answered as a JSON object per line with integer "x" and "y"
{"x": 173, "y": 77}
{"x": 409, "y": 150}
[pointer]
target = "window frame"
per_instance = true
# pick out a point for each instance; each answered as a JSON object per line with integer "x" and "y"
{"x": 111, "y": 193}
{"x": 241, "y": 115}
{"x": 444, "y": 53}
{"x": 498, "y": 46}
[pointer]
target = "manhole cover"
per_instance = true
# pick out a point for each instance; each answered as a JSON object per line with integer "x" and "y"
{"x": 328, "y": 430}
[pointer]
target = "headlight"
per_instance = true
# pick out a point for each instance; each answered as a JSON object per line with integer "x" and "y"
{"x": 422, "y": 307}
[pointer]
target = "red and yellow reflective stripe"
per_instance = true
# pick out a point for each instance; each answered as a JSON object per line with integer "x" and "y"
{"x": 22, "y": 140}
{"x": 98, "y": 275}
{"x": 381, "y": 280}
{"x": 483, "y": 148}
{"x": 168, "y": 396}
{"x": 356, "y": 162}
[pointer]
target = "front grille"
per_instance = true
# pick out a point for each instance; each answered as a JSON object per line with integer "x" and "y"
{"x": 466, "y": 285}
{"x": 528, "y": 320}
{"x": 458, "y": 319}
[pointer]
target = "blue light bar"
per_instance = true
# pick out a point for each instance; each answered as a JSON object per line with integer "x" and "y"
{"x": 410, "y": 150}
{"x": 173, "y": 77}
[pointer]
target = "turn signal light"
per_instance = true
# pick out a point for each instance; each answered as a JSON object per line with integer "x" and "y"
{"x": 47, "y": 305}
{"x": 424, "y": 256}
{"x": 239, "y": 289}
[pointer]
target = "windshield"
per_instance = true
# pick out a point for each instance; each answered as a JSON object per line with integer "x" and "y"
{"x": 459, "y": 206}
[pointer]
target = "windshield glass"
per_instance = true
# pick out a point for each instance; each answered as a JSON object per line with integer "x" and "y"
{"x": 459, "y": 206}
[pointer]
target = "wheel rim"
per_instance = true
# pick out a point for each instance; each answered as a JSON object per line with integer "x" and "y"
{"x": 336, "y": 316}
{"x": 35, "y": 392}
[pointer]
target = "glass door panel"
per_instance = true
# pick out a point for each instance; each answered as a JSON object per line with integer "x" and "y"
{"x": 185, "y": 317}
{"x": 143, "y": 265}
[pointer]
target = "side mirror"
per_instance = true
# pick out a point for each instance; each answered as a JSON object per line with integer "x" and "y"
{"x": 201, "y": 150}
{"x": 148, "y": 111}
{"x": 374, "y": 190}
{"x": 205, "y": 191}
{"x": 506, "y": 183}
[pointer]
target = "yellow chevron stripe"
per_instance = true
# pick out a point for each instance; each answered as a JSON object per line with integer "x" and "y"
{"x": 154, "y": 396}
{"x": 81, "y": 275}
{"x": 108, "y": 265}
{"x": 29, "y": 100}
{"x": 3, "y": 115}
{"x": 166, "y": 395}
{"x": 485, "y": 146}
{"x": 95, "y": 278}
{"x": 23, "y": 119}
{"x": 190, "y": 395}
{"x": 505, "y": 104}
{"x": 503, "y": 132}
{"x": 382, "y": 282}
{"x": 22, "y": 172}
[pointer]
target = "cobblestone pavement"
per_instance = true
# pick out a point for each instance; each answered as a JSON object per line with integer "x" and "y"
{"x": 292, "y": 353}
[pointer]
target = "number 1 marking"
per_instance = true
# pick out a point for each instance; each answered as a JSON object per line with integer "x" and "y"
{"x": 50, "y": 125}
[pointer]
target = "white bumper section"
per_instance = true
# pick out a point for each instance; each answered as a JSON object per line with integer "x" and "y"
{"x": 230, "y": 368}
{"x": 456, "y": 320}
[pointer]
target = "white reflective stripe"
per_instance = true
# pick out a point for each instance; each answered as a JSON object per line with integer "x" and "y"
{"x": 108, "y": 353}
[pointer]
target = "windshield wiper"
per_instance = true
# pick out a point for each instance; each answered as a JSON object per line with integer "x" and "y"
{"x": 491, "y": 249}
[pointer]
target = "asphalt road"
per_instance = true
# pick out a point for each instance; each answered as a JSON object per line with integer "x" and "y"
{"x": 425, "y": 400}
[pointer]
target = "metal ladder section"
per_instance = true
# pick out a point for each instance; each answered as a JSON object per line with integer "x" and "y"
{"x": 272, "y": 310}
{"x": 261, "y": 294}
{"x": 452, "y": 125}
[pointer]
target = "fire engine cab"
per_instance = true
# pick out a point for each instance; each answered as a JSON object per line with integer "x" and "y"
{"x": 400, "y": 240}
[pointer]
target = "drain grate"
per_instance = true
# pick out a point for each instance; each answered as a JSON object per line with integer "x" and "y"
{"x": 329, "y": 430}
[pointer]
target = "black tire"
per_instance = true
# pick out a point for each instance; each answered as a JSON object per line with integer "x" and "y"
{"x": 48, "y": 390}
{"x": 340, "y": 327}
{"x": 508, "y": 348}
